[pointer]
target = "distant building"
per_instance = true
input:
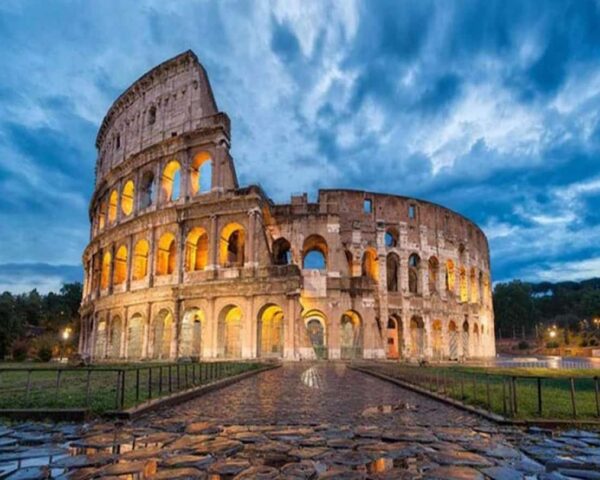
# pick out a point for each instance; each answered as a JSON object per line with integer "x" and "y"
{"x": 183, "y": 262}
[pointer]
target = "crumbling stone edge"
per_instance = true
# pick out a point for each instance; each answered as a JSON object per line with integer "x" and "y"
{"x": 499, "y": 419}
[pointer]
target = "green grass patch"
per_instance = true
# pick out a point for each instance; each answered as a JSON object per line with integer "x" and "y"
{"x": 105, "y": 387}
{"x": 509, "y": 392}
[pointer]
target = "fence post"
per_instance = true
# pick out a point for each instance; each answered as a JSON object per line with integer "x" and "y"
{"x": 178, "y": 379}
{"x": 475, "y": 387}
{"x": 539, "y": 393}
{"x": 137, "y": 385}
{"x": 160, "y": 380}
{"x": 487, "y": 392}
{"x": 504, "y": 409}
{"x": 462, "y": 387}
{"x": 514, "y": 392}
{"x": 170, "y": 379}
{"x": 572, "y": 382}
{"x": 87, "y": 387}
{"x": 123, "y": 373}
{"x": 117, "y": 388}
{"x": 28, "y": 392}
{"x": 149, "y": 383}
{"x": 58, "y": 375}
{"x": 597, "y": 393}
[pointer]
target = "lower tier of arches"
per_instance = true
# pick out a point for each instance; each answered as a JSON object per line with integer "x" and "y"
{"x": 280, "y": 328}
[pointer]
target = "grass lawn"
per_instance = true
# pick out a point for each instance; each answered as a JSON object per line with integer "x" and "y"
{"x": 97, "y": 387}
{"x": 492, "y": 388}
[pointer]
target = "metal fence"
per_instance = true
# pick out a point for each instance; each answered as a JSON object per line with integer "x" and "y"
{"x": 106, "y": 388}
{"x": 514, "y": 396}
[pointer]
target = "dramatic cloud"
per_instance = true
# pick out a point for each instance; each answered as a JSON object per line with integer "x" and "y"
{"x": 489, "y": 107}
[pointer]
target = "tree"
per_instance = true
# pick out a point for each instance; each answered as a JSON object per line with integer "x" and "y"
{"x": 514, "y": 307}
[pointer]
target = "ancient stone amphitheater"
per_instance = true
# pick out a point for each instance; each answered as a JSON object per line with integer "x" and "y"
{"x": 183, "y": 262}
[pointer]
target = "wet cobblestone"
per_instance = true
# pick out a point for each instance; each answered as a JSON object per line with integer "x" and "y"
{"x": 299, "y": 422}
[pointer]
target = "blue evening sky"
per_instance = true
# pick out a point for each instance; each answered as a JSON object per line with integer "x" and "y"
{"x": 489, "y": 107}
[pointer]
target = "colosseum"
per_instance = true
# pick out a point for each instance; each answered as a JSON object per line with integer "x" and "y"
{"x": 184, "y": 263}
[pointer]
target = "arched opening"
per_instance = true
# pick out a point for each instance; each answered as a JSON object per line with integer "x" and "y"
{"x": 370, "y": 268}
{"x": 233, "y": 238}
{"x": 166, "y": 254}
{"x": 162, "y": 334}
{"x": 127, "y": 197}
{"x": 452, "y": 340}
{"x": 270, "y": 331}
{"x": 413, "y": 273}
{"x": 474, "y": 286}
{"x": 480, "y": 288}
{"x": 100, "y": 347}
{"x": 434, "y": 268}
{"x": 190, "y": 343}
{"x": 230, "y": 332}
{"x": 147, "y": 191}
{"x": 486, "y": 288}
{"x": 476, "y": 340}
{"x": 105, "y": 274}
{"x": 102, "y": 214}
{"x": 464, "y": 291}
{"x": 317, "y": 332}
{"x": 436, "y": 339}
{"x": 120, "y": 269}
{"x": 113, "y": 202}
{"x": 140, "y": 260}
{"x": 465, "y": 339}
{"x": 201, "y": 174}
{"x": 349, "y": 262}
{"x": 392, "y": 264}
{"x": 351, "y": 336}
{"x": 170, "y": 183}
{"x": 394, "y": 337}
{"x": 450, "y": 279}
{"x": 115, "y": 338}
{"x": 391, "y": 238}
{"x": 196, "y": 250}
{"x": 417, "y": 336}
{"x": 282, "y": 254}
{"x": 135, "y": 337}
{"x": 314, "y": 253}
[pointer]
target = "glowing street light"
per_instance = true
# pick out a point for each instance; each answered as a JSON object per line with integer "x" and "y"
{"x": 552, "y": 333}
{"x": 66, "y": 334}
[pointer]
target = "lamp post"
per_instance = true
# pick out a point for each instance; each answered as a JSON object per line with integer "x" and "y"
{"x": 66, "y": 334}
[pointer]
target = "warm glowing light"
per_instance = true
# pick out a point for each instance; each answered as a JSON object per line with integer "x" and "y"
{"x": 552, "y": 333}
{"x": 66, "y": 334}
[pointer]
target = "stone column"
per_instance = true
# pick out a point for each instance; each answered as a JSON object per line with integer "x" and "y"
{"x": 129, "y": 262}
{"x": 181, "y": 248}
{"x": 406, "y": 348}
{"x": 214, "y": 328}
{"x": 107, "y": 330}
{"x": 251, "y": 254}
{"x": 175, "y": 330}
{"x": 214, "y": 243}
{"x": 151, "y": 257}
{"x": 289, "y": 348}
{"x": 249, "y": 333}
{"x": 123, "y": 339}
{"x": 146, "y": 332}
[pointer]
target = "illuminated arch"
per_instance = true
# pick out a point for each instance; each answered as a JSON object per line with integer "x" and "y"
{"x": 113, "y": 202}
{"x": 162, "y": 334}
{"x": 196, "y": 250}
{"x": 102, "y": 214}
{"x": 434, "y": 268}
{"x": 314, "y": 253}
{"x": 135, "y": 335}
{"x": 436, "y": 339}
{"x": 232, "y": 245}
{"x": 191, "y": 337}
{"x": 270, "y": 331}
{"x": 351, "y": 342}
{"x": 127, "y": 196}
{"x": 474, "y": 286}
{"x": 414, "y": 265}
{"x": 170, "y": 183}
{"x": 120, "y": 267}
{"x": 147, "y": 190}
{"x": 105, "y": 273}
{"x": 450, "y": 276}
{"x": 166, "y": 254}
{"x": 201, "y": 173}
{"x": 140, "y": 259}
{"x": 417, "y": 336}
{"x": 391, "y": 237}
{"x": 370, "y": 266}
{"x": 115, "y": 337}
{"x": 316, "y": 329}
{"x": 229, "y": 335}
{"x": 464, "y": 292}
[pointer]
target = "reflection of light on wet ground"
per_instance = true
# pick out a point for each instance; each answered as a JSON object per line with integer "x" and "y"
{"x": 311, "y": 378}
{"x": 381, "y": 465}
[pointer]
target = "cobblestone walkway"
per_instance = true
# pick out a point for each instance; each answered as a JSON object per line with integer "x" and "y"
{"x": 299, "y": 422}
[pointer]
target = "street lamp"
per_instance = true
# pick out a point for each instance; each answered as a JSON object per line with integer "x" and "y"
{"x": 66, "y": 334}
{"x": 552, "y": 333}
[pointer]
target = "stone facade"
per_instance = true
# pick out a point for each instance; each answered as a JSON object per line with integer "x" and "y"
{"x": 185, "y": 263}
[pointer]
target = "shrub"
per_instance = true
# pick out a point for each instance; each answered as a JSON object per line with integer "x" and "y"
{"x": 19, "y": 350}
{"x": 583, "y": 343}
{"x": 593, "y": 342}
{"x": 44, "y": 353}
{"x": 523, "y": 345}
{"x": 552, "y": 344}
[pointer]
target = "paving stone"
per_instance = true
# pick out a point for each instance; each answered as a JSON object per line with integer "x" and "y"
{"x": 503, "y": 473}
{"x": 202, "y": 428}
{"x": 299, "y": 471}
{"x": 229, "y": 467}
{"x": 259, "y": 473}
{"x": 29, "y": 473}
{"x": 198, "y": 461}
{"x": 179, "y": 474}
{"x": 460, "y": 458}
{"x": 342, "y": 474}
{"x": 454, "y": 473}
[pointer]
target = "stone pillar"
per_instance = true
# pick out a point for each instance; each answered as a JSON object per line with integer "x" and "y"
{"x": 152, "y": 257}
{"x": 146, "y": 332}
{"x": 427, "y": 333}
{"x": 123, "y": 339}
{"x": 407, "y": 343}
{"x": 250, "y": 332}
{"x": 250, "y": 260}
{"x": 129, "y": 262}
{"x": 289, "y": 348}
{"x": 181, "y": 259}
{"x": 92, "y": 348}
{"x": 107, "y": 330}
{"x": 214, "y": 243}
{"x": 175, "y": 331}
{"x": 184, "y": 188}
{"x": 214, "y": 326}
